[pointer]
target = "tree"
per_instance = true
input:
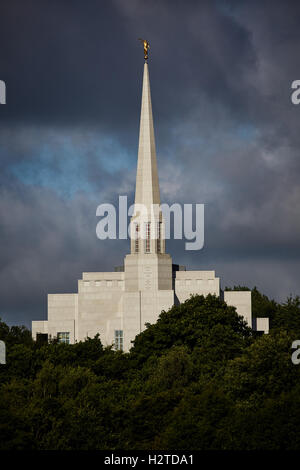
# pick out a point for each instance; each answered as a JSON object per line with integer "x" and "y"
{"x": 190, "y": 324}
{"x": 197, "y": 379}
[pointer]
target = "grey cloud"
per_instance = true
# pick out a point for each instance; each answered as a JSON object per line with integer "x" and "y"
{"x": 227, "y": 136}
{"x": 49, "y": 242}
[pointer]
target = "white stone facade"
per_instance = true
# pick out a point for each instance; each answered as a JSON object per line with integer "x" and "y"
{"x": 118, "y": 304}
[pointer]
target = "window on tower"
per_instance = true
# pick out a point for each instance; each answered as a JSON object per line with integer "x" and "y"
{"x": 147, "y": 241}
{"x": 136, "y": 242}
{"x": 158, "y": 239}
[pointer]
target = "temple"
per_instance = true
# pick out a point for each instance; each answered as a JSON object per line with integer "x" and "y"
{"x": 118, "y": 304}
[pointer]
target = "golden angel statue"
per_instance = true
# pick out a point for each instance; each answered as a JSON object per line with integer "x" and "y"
{"x": 146, "y": 47}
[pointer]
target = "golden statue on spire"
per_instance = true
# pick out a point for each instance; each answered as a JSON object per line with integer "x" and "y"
{"x": 146, "y": 48}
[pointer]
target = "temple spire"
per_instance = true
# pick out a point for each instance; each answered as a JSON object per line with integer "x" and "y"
{"x": 147, "y": 184}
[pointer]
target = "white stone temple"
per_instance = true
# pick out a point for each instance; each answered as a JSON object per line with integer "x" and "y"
{"x": 118, "y": 304}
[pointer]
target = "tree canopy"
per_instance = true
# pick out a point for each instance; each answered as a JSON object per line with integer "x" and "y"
{"x": 199, "y": 378}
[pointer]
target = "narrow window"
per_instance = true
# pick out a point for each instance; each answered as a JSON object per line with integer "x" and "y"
{"x": 158, "y": 241}
{"x": 63, "y": 337}
{"x": 119, "y": 340}
{"x": 136, "y": 238}
{"x": 147, "y": 241}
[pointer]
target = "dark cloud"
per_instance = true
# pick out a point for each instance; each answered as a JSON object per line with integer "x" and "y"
{"x": 227, "y": 136}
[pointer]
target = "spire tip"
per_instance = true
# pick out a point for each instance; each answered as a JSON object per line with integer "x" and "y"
{"x": 146, "y": 48}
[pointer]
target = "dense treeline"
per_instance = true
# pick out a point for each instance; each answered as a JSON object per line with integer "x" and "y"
{"x": 197, "y": 379}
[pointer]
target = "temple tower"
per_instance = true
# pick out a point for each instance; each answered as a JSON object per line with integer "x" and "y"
{"x": 148, "y": 267}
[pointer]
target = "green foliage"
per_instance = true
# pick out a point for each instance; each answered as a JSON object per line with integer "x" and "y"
{"x": 262, "y": 306}
{"x": 197, "y": 379}
{"x": 198, "y": 421}
{"x": 15, "y": 334}
{"x": 263, "y": 370}
{"x": 190, "y": 324}
{"x": 287, "y": 315}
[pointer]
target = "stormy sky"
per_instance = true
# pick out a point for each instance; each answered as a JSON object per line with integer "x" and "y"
{"x": 227, "y": 136}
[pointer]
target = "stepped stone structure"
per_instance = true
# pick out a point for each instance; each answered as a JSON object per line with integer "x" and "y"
{"x": 118, "y": 304}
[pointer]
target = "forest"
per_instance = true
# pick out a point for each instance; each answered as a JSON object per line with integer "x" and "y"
{"x": 198, "y": 379}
